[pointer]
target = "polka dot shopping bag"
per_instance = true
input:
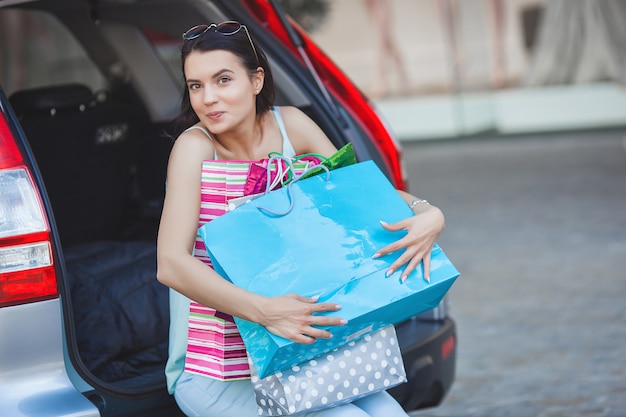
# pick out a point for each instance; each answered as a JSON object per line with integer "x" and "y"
{"x": 360, "y": 368}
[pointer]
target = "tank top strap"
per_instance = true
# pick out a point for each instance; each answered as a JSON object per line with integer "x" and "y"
{"x": 200, "y": 128}
{"x": 288, "y": 149}
{"x": 206, "y": 132}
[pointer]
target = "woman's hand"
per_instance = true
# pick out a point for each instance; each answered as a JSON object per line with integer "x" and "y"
{"x": 423, "y": 229}
{"x": 291, "y": 317}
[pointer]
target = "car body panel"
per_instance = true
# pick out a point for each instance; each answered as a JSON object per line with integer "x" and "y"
{"x": 33, "y": 379}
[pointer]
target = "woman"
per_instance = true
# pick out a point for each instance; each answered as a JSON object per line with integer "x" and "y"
{"x": 227, "y": 107}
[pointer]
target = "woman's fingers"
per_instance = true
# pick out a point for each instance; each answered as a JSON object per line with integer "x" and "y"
{"x": 295, "y": 318}
{"x": 426, "y": 263}
{"x": 400, "y": 243}
{"x": 416, "y": 248}
{"x": 315, "y": 307}
{"x": 415, "y": 263}
{"x": 311, "y": 332}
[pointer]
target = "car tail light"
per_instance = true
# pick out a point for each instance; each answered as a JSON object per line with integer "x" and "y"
{"x": 26, "y": 265}
{"x": 342, "y": 88}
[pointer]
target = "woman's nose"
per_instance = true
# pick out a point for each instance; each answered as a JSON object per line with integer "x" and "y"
{"x": 210, "y": 95}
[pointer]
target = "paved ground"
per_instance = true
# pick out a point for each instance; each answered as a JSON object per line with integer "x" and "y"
{"x": 537, "y": 227}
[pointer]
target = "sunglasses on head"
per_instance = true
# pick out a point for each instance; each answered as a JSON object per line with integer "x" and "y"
{"x": 225, "y": 28}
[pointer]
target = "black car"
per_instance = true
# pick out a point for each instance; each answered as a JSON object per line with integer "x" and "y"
{"x": 87, "y": 92}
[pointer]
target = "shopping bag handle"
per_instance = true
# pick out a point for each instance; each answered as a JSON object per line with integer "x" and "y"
{"x": 296, "y": 178}
{"x": 280, "y": 177}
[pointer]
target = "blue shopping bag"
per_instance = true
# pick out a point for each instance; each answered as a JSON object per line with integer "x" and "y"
{"x": 323, "y": 246}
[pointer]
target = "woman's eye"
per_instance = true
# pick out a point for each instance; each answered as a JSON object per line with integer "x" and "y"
{"x": 193, "y": 86}
{"x": 223, "y": 80}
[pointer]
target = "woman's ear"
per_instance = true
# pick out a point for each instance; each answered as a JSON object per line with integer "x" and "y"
{"x": 258, "y": 79}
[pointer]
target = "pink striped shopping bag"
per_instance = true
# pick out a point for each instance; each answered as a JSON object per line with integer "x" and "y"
{"x": 214, "y": 345}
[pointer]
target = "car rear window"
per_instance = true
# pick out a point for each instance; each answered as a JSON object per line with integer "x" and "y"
{"x": 36, "y": 50}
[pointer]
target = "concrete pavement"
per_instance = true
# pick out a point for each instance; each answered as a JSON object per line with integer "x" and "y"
{"x": 536, "y": 224}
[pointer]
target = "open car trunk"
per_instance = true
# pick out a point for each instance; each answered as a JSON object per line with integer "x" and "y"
{"x": 103, "y": 166}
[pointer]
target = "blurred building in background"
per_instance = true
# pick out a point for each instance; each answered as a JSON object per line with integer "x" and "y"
{"x": 474, "y": 66}
{"x": 445, "y": 44}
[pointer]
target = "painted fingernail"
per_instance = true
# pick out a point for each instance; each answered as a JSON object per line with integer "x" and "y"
{"x": 343, "y": 321}
{"x": 376, "y": 255}
{"x": 403, "y": 278}
{"x": 427, "y": 279}
{"x": 389, "y": 272}
{"x": 384, "y": 223}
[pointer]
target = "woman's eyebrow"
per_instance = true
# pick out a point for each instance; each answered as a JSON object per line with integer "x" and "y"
{"x": 222, "y": 71}
{"x": 216, "y": 75}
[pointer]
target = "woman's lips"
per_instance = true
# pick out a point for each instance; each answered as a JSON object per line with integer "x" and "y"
{"x": 214, "y": 114}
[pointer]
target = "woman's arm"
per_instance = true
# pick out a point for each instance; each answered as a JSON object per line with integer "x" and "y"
{"x": 287, "y": 316}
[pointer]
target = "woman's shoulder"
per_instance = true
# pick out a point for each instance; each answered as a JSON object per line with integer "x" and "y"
{"x": 291, "y": 112}
{"x": 304, "y": 134}
{"x": 297, "y": 123}
{"x": 195, "y": 142}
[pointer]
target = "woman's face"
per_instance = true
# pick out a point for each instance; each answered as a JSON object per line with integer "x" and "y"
{"x": 222, "y": 93}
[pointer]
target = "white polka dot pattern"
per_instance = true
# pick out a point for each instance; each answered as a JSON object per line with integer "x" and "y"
{"x": 362, "y": 367}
